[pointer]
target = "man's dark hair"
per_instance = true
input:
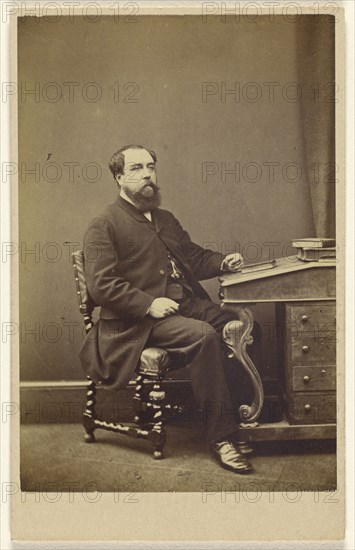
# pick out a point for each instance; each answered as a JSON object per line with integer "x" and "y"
{"x": 117, "y": 160}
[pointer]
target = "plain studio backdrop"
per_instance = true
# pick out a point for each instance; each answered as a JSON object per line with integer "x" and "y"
{"x": 240, "y": 114}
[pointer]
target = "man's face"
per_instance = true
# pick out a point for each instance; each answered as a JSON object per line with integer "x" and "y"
{"x": 139, "y": 175}
{"x": 139, "y": 179}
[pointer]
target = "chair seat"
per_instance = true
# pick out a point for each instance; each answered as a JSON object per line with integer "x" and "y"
{"x": 153, "y": 361}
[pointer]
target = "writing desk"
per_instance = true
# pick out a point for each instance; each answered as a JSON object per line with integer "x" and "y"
{"x": 304, "y": 296}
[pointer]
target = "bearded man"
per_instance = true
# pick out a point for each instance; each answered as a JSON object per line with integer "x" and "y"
{"x": 143, "y": 270}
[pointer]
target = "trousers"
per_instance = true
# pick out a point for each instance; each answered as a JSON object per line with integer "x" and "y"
{"x": 193, "y": 337}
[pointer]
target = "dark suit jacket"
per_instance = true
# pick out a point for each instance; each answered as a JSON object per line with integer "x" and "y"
{"x": 125, "y": 269}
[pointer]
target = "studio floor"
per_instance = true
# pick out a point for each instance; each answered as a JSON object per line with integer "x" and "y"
{"x": 54, "y": 457}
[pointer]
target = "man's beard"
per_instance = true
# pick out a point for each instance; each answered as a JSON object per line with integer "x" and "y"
{"x": 143, "y": 202}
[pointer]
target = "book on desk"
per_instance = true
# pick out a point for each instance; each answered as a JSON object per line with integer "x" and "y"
{"x": 315, "y": 249}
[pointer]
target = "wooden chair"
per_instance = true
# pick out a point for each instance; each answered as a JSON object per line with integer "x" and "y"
{"x": 151, "y": 408}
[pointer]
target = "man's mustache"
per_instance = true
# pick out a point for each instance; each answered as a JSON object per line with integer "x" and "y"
{"x": 152, "y": 184}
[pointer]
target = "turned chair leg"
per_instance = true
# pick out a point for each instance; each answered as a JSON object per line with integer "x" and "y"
{"x": 142, "y": 415}
{"x": 157, "y": 435}
{"x": 90, "y": 412}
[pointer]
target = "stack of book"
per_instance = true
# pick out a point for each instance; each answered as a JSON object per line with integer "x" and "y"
{"x": 315, "y": 249}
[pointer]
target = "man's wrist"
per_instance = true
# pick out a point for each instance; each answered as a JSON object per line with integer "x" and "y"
{"x": 148, "y": 310}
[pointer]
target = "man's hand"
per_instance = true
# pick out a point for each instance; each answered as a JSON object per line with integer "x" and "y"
{"x": 232, "y": 262}
{"x": 162, "y": 307}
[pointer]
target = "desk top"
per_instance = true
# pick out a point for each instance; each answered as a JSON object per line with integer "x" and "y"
{"x": 290, "y": 280}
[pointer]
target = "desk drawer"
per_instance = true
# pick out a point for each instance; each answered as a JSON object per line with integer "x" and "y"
{"x": 312, "y": 318}
{"x": 310, "y": 351}
{"x": 312, "y": 409}
{"x": 321, "y": 378}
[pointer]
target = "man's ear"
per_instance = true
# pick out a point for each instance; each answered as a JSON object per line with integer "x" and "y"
{"x": 118, "y": 179}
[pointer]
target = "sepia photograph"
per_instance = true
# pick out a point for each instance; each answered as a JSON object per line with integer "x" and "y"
{"x": 180, "y": 259}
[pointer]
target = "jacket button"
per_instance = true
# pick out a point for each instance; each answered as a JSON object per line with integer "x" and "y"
{"x": 162, "y": 272}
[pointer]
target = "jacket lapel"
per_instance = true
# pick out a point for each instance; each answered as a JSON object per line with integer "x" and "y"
{"x": 168, "y": 239}
{"x": 157, "y": 220}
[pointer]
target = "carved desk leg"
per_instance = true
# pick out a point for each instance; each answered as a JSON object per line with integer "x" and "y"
{"x": 237, "y": 335}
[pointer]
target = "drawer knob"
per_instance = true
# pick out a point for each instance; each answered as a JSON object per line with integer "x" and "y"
{"x": 304, "y": 318}
{"x": 307, "y": 407}
{"x": 305, "y": 349}
{"x": 306, "y": 379}
{"x": 323, "y": 371}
